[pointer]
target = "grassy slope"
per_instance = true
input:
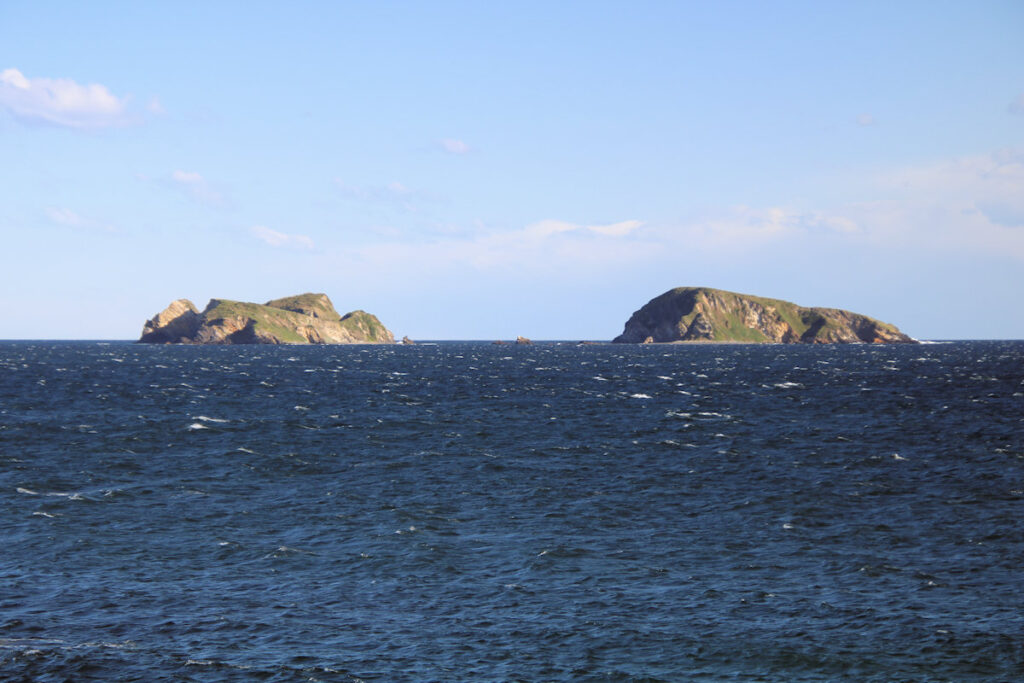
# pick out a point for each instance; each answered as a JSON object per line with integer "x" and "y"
{"x": 728, "y": 319}
{"x": 279, "y": 318}
{"x": 317, "y": 305}
{"x": 268, "y": 321}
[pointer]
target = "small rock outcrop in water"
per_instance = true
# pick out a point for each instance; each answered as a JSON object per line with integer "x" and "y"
{"x": 694, "y": 314}
{"x": 302, "y": 319}
{"x": 406, "y": 340}
{"x": 523, "y": 341}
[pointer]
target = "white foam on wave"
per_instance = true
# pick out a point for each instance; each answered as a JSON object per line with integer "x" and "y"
{"x": 195, "y": 426}
{"x": 787, "y": 385}
{"x": 55, "y": 494}
{"x": 204, "y": 418}
{"x": 44, "y": 514}
{"x": 639, "y": 396}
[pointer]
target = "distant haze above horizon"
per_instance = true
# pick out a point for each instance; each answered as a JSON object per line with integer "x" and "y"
{"x": 486, "y": 170}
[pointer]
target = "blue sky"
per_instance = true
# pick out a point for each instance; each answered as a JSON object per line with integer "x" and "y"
{"x": 482, "y": 170}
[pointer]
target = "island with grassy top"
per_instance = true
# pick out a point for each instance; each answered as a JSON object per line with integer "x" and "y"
{"x": 302, "y": 319}
{"x": 702, "y": 314}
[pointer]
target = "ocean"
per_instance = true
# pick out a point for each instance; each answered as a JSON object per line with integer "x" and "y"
{"x": 472, "y": 512}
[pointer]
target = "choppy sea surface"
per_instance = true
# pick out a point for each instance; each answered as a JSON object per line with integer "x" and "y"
{"x": 471, "y": 512}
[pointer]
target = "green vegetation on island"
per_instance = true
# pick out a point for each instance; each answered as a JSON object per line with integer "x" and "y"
{"x": 702, "y": 314}
{"x": 302, "y": 319}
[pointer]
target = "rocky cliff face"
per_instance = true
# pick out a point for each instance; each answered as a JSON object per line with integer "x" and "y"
{"x": 178, "y": 321}
{"x": 714, "y": 315}
{"x": 302, "y": 319}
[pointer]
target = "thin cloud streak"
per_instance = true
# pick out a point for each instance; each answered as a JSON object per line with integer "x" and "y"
{"x": 453, "y": 146}
{"x": 197, "y": 188}
{"x": 70, "y": 219}
{"x": 960, "y": 206}
{"x": 274, "y": 238}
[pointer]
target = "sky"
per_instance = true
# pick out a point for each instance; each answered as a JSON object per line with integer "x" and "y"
{"x": 481, "y": 170}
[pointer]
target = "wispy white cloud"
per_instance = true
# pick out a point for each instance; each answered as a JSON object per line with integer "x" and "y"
{"x": 549, "y": 226}
{"x": 281, "y": 239}
{"x": 71, "y": 219}
{"x": 551, "y": 245}
{"x": 616, "y": 229}
{"x": 65, "y": 217}
{"x": 197, "y": 188}
{"x": 972, "y": 204}
{"x": 865, "y": 120}
{"x": 970, "y": 208}
{"x": 453, "y": 146}
{"x": 61, "y": 102}
{"x": 394, "y": 194}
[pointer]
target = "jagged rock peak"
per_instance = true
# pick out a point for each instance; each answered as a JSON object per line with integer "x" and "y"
{"x": 301, "y": 319}
{"x": 174, "y": 324}
{"x": 697, "y": 314}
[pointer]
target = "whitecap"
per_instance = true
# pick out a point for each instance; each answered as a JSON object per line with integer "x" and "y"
{"x": 787, "y": 385}
{"x": 27, "y": 492}
{"x": 600, "y": 379}
{"x": 204, "y": 418}
{"x": 45, "y": 514}
{"x": 195, "y": 426}
{"x": 639, "y": 396}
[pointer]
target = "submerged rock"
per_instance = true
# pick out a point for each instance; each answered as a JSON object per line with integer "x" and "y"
{"x": 302, "y": 319}
{"x": 694, "y": 314}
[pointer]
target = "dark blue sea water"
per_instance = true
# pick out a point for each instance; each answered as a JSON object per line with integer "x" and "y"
{"x": 470, "y": 512}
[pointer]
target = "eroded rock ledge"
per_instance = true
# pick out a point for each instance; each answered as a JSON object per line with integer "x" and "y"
{"x": 701, "y": 314}
{"x": 302, "y": 319}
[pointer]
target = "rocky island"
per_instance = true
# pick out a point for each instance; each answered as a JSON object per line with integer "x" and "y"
{"x": 702, "y": 314}
{"x": 302, "y": 319}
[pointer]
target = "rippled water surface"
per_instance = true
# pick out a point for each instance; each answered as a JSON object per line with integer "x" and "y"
{"x": 484, "y": 513}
